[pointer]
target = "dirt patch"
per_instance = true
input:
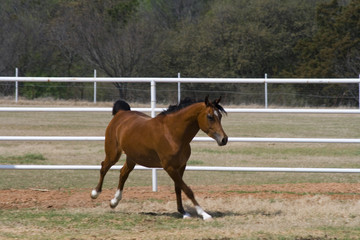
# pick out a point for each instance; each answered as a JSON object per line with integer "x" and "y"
{"x": 74, "y": 198}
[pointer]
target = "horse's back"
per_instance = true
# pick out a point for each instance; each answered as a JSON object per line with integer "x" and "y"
{"x": 128, "y": 119}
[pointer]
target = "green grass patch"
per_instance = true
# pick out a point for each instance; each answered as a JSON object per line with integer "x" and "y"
{"x": 29, "y": 158}
{"x": 344, "y": 231}
{"x": 195, "y": 162}
{"x": 64, "y": 219}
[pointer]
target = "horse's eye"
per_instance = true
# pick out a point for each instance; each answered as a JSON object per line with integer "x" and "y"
{"x": 210, "y": 117}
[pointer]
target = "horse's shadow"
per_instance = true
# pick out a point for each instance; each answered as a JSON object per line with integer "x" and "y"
{"x": 214, "y": 214}
{"x": 218, "y": 214}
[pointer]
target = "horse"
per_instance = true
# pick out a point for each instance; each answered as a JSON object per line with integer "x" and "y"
{"x": 160, "y": 142}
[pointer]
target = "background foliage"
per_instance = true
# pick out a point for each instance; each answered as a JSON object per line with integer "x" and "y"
{"x": 198, "y": 38}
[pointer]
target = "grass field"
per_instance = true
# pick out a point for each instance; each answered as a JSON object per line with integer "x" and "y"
{"x": 313, "y": 217}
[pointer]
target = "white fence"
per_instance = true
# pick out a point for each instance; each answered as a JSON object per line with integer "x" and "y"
{"x": 183, "y": 80}
{"x": 188, "y": 168}
{"x": 229, "y": 110}
{"x": 196, "y": 139}
{"x": 153, "y": 109}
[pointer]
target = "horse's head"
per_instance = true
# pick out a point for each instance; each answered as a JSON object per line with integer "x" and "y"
{"x": 210, "y": 121}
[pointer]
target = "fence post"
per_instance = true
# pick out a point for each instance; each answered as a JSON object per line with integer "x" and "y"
{"x": 153, "y": 106}
{"x": 179, "y": 89}
{"x": 266, "y": 92}
{"x": 16, "y": 85}
{"x": 94, "y": 86}
{"x": 359, "y": 92}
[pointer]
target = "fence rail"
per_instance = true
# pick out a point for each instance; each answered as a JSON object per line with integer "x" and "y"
{"x": 229, "y": 110}
{"x": 183, "y": 80}
{"x": 188, "y": 168}
{"x": 196, "y": 139}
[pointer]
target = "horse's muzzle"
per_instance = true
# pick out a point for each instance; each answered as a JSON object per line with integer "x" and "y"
{"x": 223, "y": 141}
{"x": 220, "y": 139}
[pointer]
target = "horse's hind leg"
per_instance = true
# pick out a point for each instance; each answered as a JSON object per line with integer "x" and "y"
{"x": 124, "y": 173}
{"x": 109, "y": 161}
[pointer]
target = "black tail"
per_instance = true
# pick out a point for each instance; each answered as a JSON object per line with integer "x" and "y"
{"x": 120, "y": 105}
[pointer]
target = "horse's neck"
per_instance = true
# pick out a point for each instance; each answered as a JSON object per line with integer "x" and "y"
{"x": 184, "y": 123}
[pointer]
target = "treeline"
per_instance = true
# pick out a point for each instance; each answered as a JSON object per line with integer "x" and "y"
{"x": 198, "y": 38}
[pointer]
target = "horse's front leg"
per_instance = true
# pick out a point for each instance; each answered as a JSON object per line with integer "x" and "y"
{"x": 180, "y": 184}
{"x": 179, "y": 199}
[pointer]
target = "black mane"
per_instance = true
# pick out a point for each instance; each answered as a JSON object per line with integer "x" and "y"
{"x": 187, "y": 102}
{"x": 183, "y": 104}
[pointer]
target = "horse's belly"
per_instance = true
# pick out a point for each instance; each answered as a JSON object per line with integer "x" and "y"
{"x": 150, "y": 163}
{"x": 150, "y": 160}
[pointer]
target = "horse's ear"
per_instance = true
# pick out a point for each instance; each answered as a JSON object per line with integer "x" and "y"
{"x": 217, "y": 100}
{"x": 207, "y": 103}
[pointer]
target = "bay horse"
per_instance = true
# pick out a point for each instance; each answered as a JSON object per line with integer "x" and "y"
{"x": 159, "y": 142}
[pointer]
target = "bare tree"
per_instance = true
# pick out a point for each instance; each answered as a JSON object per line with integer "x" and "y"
{"x": 117, "y": 48}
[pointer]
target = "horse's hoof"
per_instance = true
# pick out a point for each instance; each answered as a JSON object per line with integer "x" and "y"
{"x": 207, "y": 217}
{"x": 202, "y": 213}
{"x": 186, "y": 216}
{"x": 113, "y": 203}
{"x": 94, "y": 194}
